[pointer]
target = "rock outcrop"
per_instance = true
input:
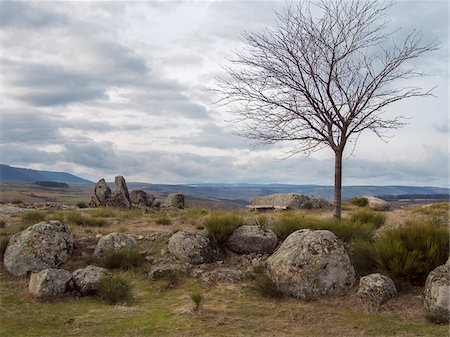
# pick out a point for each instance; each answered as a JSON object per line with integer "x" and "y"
{"x": 86, "y": 279}
{"x": 377, "y": 204}
{"x": 141, "y": 198}
{"x": 44, "y": 245}
{"x": 376, "y": 289}
{"x": 436, "y": 294}
{"x": 49, "y": 283}
{"x": 289, "y": 201}
{"x": 192, "y": 248}
{"x": 252, "y": 239}
{"x": 174, "y": 200}
{"x": 101, "y": 194}
{"x": 114, "y": 242}
{"x": 311, "y": 263}
{"x": 223, "y": 275}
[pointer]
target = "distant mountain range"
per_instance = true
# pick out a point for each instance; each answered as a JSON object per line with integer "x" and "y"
{"x": 29, "y": 176}
{"x": 238, "y": 192}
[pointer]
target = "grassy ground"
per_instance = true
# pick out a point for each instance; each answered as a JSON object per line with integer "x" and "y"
{"x": 227, "y": 310}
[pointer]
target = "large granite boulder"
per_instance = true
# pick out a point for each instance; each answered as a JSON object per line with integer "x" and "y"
{"x": 377, "y": 204}
{"x": 101, "y": 194}
{"x": 376, "y": 289}
{"x": 120, "y": 197}
{"x": 114, "y": 242}
{"x": 141, "y": 198}
{"x": 86, "y": 279}
{"x": 252, "y": 239}
{"x": 290, "y": 201}
{"x": 175, "y": 200}
{"x": 47, "y": 244}
{"x": 436, "y": 294}
{"x": 49, "y": 283}
{"x": 311, "y": 263}
{"x": 193, "y": 248}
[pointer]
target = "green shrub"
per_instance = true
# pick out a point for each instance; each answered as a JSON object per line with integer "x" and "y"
{"x": 76, "y": 218}
{"x": 197, "y": 298}
{"x": 122, "y": 259}
{"x": 220, "y": 225}
{"x": 82, "y": 205}
{"x": 171, "y": 279}
{"x": 360, "y": 201}
{"x": 286, "y": 224}
{"x": 103, "y": 213}
{"x": 17, "y": 201}
{"x": 115, "y": 289}
{"x": 32, "y": 217}
{"x": 409, "y": 254}
{"x": 363, "y": 257}
{"x": 163, "y": 220}
{"x": 3, "y": 244}
{"x": 267, "y": 288}
{"x": 368, "y": 216}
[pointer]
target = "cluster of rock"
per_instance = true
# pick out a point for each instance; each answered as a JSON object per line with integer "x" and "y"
{"x": 289, "y": 201}
{"x": 102, "y": 196}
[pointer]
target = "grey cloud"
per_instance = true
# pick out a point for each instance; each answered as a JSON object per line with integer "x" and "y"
{"x": 442, "y": 128}
{"x": 19, "y": 14}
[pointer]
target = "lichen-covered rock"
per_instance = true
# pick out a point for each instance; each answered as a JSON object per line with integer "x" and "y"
{"x": 47, "y": 244}
{"x": 376, "y": 289}
{"x": 436, "y": 294}
{"x": 141, "y": 198}
{"x": 120, "y": 197}
{"x": 101, "y": 194}
{"x": 290, "y": 201}
{"x": 114, "y": 242}
{"x": 223, "y": 275}
{"x": 311, "y": 263}
{"x": 192, "y": 248}
{"x": 165, "y": 270}
{"x": 49, "y": 283}
{"x": 86, "y": 279}
{"x": 252, "y": 239}
{"x": 377, "y": 204}
{"x": 175, "y": 200}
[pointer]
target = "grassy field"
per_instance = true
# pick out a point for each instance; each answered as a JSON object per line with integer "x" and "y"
{"x": 226, "y": 310}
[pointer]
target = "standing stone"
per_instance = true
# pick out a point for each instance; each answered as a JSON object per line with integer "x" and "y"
{"x": 377, "y": 204}
{"x": 49, "y": 283}
{"x": 311, "y": 263}
{"x": 101, "y": 194}
{"x": 47, "y": 244}
{"x": 252, "y": 239}
{"x": 436, "y": 294}
{"x": 376, "y": 289}
{"x": 86, "y": 279}
{"x": 114, "y": 242}
{"x": 175, "y": 200}
{"x": 120, "y": 197}
{"x": 192, "y": 248}
{"x": 141, "y": 198}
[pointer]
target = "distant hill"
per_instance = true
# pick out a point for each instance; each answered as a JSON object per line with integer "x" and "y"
{"x": 29, "y": 176}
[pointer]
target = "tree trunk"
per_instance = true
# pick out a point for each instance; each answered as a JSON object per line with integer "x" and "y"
{"x": 337, "y": 184}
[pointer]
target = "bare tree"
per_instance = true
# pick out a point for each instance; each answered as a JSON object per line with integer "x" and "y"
{"x": 320, "y": 76}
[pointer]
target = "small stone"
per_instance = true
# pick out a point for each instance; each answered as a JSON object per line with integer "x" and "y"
{"x": 376, "y": 289}
{"x": 86, "y": 279}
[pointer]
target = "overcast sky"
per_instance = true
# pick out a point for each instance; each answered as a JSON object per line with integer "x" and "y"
{"x": 105, "y": 88}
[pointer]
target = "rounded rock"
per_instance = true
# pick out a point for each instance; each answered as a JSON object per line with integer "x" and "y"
{"x": 114, "y": 242}
{"x": 376, "y": 289}
{"x": 252, "y": 239}
{"x": 47, "y": 244}
{"x": 310, "y": 264}
{"x": 86, "y": 279}
{"x": 192, "y": 248}
{"x": 436, "y": 294}
{"x": 49, "y": 283}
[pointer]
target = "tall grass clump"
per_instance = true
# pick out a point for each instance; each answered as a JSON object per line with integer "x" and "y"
{"x": 163, "y": 220}
{"x": 76, "y": 218}
{"x": 286, "y": 224}
{"x": 125, "y": 259}
{"x": 32, "y": 217}
{"x": 103, "y": 212}
{"x": 363, "y": 257}
{"x": 131, "y": 213}
{"x": 115, "y": 289}
{"x": 197, "y": 298}
{"x": 360, "y": 201}
{"x": 369, "y": 216}
{"x": 410, "y": 253}
{"x": 220, "y": 225}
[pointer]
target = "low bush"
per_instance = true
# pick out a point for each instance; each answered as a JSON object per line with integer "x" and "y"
{"x": 171, "y": 279}
{"x": 115, "y": 289}
{"x": 410, "y": 253}
{"x": 82, "y": 205}
{"x": 125, "y": 259}
{"x": 363, "y": 257}
{"x": 131, "y": 213}
{"x": 17, "y": 201}
{"x": 197, "y": 298}
{"x": 368, "y": 216}
{"x": 194, "y": 212}
{"x": 267, "y": 288}
{"x": 163, "y": 220}
{"x": 286, "y": 224}
{"x": 103, "y": 213}
{"x": 2, "y": 224}
{"x": 360, "y": 201}
{"x": 220, "y": 225}
{"x": 76, "y": 218}
{"x": 3, "y": 244}
{"x": 32, "y": 217}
